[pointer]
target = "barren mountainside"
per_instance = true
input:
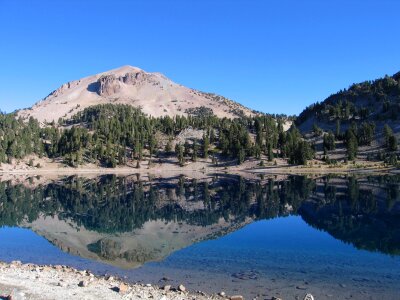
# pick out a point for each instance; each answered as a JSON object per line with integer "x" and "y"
{"x": 154, "y": 93}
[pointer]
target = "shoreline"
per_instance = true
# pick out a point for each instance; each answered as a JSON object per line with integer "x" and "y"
{"x": 199, "y": 169}
{"x": 31, "y": 281}
{"x": 281, "y": 170}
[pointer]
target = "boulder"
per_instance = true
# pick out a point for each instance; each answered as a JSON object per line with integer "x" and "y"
{"x": 83, "y": 283}
{"x": 123, "y": 288}
{"x": 166, "y": 287}
{"x": 309, "y": 297}
{"x": 182, "y": 288}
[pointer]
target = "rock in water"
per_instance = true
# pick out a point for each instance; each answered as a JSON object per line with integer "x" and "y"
{"x": 309, "y": 297}
{"x": 236, "y": 297}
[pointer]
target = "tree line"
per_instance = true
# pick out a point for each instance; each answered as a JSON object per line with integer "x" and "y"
{"x": 111, "y": 135}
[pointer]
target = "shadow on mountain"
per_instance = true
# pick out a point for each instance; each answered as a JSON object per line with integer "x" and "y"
{"x": 94, "y": 87}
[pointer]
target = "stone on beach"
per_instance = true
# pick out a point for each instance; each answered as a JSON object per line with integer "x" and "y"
{"x": 123, "y": 288}
{"x": 309, "y": 297}
{"x": 83, "y": 283}
{"x": 181, "y": 288}
{"x": 167, "y": 287}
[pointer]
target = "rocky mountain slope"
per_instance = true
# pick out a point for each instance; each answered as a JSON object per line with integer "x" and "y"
{"x": 154, "y": 93}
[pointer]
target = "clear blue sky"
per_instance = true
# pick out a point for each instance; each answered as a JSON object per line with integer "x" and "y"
{"x": 273, "y": 56}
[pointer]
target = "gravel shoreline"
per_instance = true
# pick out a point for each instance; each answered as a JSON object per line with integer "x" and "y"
{"x": 30, "y": 281}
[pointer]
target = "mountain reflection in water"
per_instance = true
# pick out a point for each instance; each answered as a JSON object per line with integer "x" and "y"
{"x": 125, "y": 221}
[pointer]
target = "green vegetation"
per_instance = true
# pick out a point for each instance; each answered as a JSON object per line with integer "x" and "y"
{"x": 351, "y": 144}
{"x": 329, "y": 141}
{"x": 18, "y": 139}
{"x": 112, "y": 135}
{"x": 370, "y": 100}
{"x": 390, "y": 139}
{"x": 355, "y": 115}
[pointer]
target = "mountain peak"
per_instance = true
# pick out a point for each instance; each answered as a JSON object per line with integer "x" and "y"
{"x": 123, "y": 69}
{"x": 154, "y": 93}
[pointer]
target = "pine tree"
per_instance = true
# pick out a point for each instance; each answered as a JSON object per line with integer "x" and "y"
{"x": 168, "y": 146}
{"x": 179, "y": 150}
{"x": 206, "y": 144}
{"x": 152, "y": 145}
{"x": 338, "y": 133}
{"x": 195, "y": 150}
{"x": 387, "y": 133}
{"x": 270, "y": 152}
{"x": 392, "y": 143}
{"x": 212, "y": 135}
{"x": 241, "y": 156}
{"x": 351, "y": 144}
{"x": 329, "y": 141}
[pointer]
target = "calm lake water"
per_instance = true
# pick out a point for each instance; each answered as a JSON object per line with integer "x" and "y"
{"x": 337, "y": 237}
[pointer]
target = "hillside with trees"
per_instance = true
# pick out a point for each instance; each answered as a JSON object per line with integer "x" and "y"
{"x": 359, "y": 122}
{"x": 368, "y": 101}
{"x": 110, "y": 135}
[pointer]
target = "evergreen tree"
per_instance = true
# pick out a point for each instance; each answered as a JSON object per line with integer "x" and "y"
{"x": 270, "y": 152}
{"x": 329, "y": 141}
{"x": 392, "y": 143}
{"x": 168, "y": 146}
{"x": 179, "y": 150}
{"x": 351, "y": 144}
{"x": 195, "y": 150}
{"x": 390, "y": 139}
{"x": 338, "y": 131}
{"x": 206, "y": 145}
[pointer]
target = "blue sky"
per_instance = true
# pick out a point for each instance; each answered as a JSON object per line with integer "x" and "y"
{"x": 273, "y": 56}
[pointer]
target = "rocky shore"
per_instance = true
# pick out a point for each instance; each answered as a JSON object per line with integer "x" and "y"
{"x": 29, "y": 281}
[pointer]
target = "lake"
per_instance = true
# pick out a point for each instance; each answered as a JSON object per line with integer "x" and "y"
{"x": 337, "y": 237}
